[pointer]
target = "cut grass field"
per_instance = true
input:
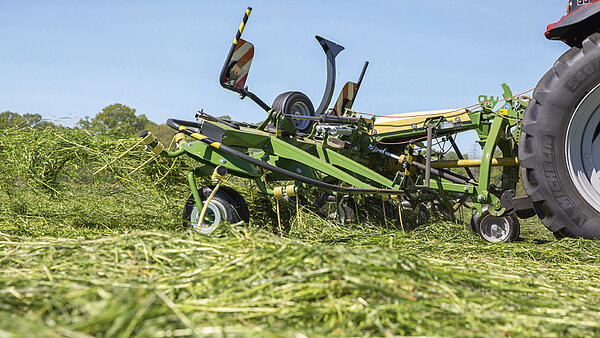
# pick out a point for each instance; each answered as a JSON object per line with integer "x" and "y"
{"x": 105, "y": 255}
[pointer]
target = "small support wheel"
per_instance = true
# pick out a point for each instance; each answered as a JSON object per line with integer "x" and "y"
{"x": 496, "y": 229}
{"x": 225, "y": 206}
{"x": 296, "y": 103}
{"x": 347, "y": 211}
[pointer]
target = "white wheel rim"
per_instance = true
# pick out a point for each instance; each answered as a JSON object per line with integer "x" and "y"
{"x": 495, "y": 229}
{"x": 212, "y": 218}
{"x": 300, "y": 108}
{"x": 583, "y": 148}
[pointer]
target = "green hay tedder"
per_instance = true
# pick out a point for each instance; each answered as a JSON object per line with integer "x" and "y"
{"x": 387, "y": 165}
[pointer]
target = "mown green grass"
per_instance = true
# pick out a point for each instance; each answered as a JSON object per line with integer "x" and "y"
{"x": 105, "y": 255}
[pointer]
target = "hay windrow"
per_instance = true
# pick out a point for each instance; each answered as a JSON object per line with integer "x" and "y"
{"x": 105, "y": 255}
{"x": 157, "y": 283}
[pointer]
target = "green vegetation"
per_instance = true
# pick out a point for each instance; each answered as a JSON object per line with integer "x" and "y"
{"x": 105, "y": 255}
{"x": 116, "y": 120}
{"x": 11, "y": 120}
{"x": 121, "y": 121}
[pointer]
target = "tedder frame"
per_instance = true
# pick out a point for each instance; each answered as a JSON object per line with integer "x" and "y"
{"x": 338, "y": 154}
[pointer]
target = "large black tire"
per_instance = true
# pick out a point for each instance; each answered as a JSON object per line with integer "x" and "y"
{"x": 296, "y": 103}
{"x": 548, "y": 153}
{"x": 223, "y": 207}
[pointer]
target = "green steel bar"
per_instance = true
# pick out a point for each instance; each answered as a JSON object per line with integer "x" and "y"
{"x": 286, "y": 150}
{"x": 171, "y": 154}
{"x": 262, "y": 186}
{"x": 206, "y": 154}
{"x": 339, "y": 160}
{"x": 192, "y": 182}
{"x": 264, "y": 123}
{"x": 488, "y": 153}
{"x": 452, "y": 187}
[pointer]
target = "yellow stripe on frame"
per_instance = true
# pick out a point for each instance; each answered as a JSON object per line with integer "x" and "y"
{"x": 198, "y": 136}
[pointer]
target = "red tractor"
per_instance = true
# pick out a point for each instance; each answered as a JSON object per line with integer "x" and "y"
{"x": 559, "y": 150}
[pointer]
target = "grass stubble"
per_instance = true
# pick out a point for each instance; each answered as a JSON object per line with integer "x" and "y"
{"x": 105, "y": 255}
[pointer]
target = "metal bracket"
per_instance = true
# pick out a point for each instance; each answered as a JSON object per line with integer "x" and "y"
{"x": 512, "y": 203}
{"x": 488, "y": 102}
{"x": 428, "y": 159}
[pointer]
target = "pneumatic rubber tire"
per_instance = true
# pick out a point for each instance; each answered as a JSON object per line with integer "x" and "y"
{"x": 238, "y": 202}
{"x": 221, "y": 208}
{"x": 496, "y": 229}
{"x": 295, "y": 103}
{"x": 553, "y": 169}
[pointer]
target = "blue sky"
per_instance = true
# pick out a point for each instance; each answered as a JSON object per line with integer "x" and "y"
{"x": 69, "y": 59}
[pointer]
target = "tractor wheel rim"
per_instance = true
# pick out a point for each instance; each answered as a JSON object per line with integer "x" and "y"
{"x": 583, "y": 148}
{"x": 300, "y": 108}
{"x": 495, "y": 229}
{"x": 212, "y": 217}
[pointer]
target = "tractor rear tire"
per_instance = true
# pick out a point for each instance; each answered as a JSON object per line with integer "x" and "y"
{"x": 559, "y": 150}
{"x": 296, "y": 103}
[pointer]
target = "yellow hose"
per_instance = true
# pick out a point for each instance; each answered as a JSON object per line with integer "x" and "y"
{"x": 207, "y": 202}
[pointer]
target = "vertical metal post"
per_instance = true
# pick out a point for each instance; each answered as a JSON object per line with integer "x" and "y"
{"x": 192, "y": 182}
{"x": 486, "y": 159}
{"x": 428, "y": 160}
{"x": 460, "y": 156}
{"x": 362, "y": 75}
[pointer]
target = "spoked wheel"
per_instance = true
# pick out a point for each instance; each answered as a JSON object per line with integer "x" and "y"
{"x": 496, "y": 229}
{"x": 347, "y": 210}
{"x": 559, "y": 149}
{"x": 441, "y": 211}
{"x": 223, "y": 207}
{"x": 414, "y": 214}
{"x": 296, "y": 103}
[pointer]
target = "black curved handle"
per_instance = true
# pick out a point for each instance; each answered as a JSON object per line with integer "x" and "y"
{"x": 331, "y": 50}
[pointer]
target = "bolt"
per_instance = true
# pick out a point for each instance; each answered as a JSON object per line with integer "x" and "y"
{"x": 480, "y": 198}
{"x": 587, "y": 156}
{"x": 466, "y": 189}
{"x": 299, "y": 171}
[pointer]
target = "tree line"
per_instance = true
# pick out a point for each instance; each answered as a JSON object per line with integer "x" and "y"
{"x": 116, "y": 120}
